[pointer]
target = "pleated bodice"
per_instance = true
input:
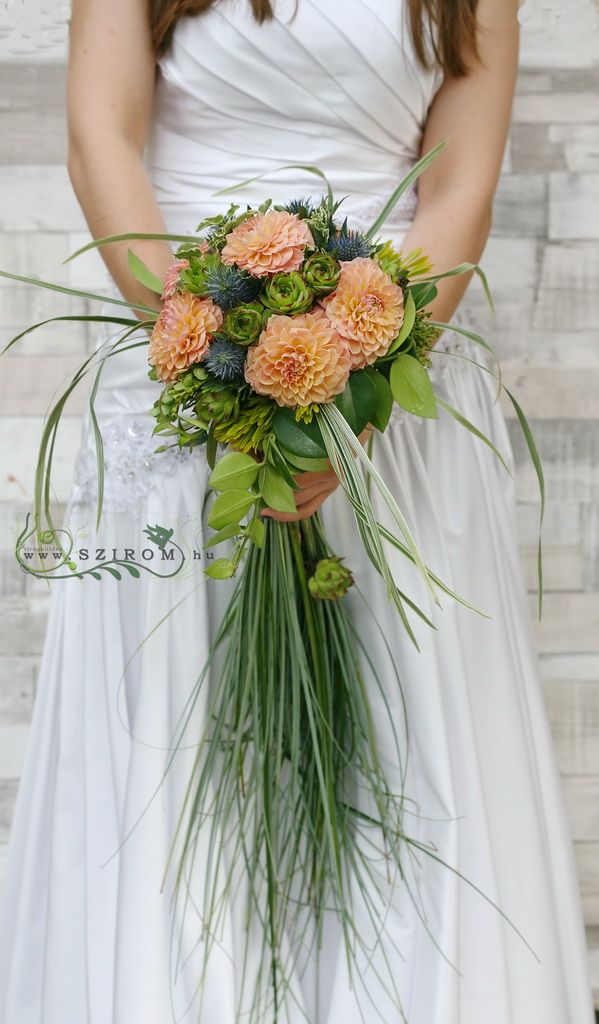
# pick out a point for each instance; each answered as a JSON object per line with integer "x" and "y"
{"x": 335, "y": 85}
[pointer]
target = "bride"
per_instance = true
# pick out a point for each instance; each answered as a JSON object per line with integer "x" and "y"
{"x": 168, "y": 102}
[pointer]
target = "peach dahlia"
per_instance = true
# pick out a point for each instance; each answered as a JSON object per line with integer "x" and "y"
{"x": 182, "y": 333}
{"x": 267, "y": 243}
{"x": 366, "y": 308}
{"x": 298, "y": 360}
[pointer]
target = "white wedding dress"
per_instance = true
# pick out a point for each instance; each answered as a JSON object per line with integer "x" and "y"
{"x": 86, "y": 935}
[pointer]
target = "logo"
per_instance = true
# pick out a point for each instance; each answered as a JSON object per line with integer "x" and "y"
{"x": 58, "y": 554}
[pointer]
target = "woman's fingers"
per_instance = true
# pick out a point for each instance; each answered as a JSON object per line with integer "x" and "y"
{"x": 308, "y": 499}
{"x": 303, "y": 512}
{"x": 314, "y": 489}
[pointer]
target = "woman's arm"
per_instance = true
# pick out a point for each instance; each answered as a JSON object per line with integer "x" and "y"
{"x": 456, "y": 192}
{"x": 109, "y": 100}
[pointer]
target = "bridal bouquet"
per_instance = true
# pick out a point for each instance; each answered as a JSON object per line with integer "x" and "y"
{"x": 283, "y": 339}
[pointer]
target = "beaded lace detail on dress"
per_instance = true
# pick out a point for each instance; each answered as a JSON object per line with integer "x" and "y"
{"x": 403, "y": 212}
{"x": 131, "y": 464}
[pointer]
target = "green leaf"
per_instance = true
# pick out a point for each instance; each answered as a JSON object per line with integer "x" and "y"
{"x": 411, "y": 387}
{"x": 234, "y": 471}
{"x": 276, "y": 492}
{"x": 211, "y": 447}
{"x": 306, "y": 465}
{"x": 225, "y": 534}
{"x": 357, "y": 401}
{"x": 221, "y": 569}
{"x": 384, "y": 399}
{"x": 143, "y": 273}
{"x": 230, "y": 507}
{"x": 256, "y": 531}
{"x": 303, "y": 439}
{"x": 278, "y": 461}
{"x": 408, "y": 323}
{"x": 423, "y": 294}
{"x": 113, "y": 572}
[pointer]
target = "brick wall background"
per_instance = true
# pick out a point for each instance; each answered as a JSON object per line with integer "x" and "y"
{"x": 543, "y": 264}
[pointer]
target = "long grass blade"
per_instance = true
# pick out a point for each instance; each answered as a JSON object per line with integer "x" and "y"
{"x": 77, "y": 292}
{"x": 465, "y": 422}
{"x": 403, "y": 186}
{"x": 462, "y": 268}
{"x": 127, "y": 237}
{"x": 310, "y": 168}
{"x": 538, "y": 467}
{"x": 83, "y": 319}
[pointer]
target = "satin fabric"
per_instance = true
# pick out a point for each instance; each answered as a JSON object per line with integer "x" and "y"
{"x": 87, "y": 933}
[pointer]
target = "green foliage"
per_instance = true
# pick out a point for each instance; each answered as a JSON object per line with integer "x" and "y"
{"x": 276, "y": 492}
{"x": 403, "y": 186}
{"x": 357, "y": 402}
{"x": 288, "y": 731}
{"x": 423, "y": 336}
{"x": 401, "y": 268}
{"x": 234, "y": 470}
{"x": 313, "y": 465}
{"x": 390, "y": 261}
{"x": 303, "y": 439}
{"x": 406, "y": 327}
{"x": 256, "y": 531}
{"x": 143, "y": 273}
{"x": 219, "y": 226}
{"x": 249, "y": 430}
{"x": 411, "y": 387}
{"x": 423, "y": 294}
{"x": 221, "y": 569}
{"x": 321, "y": 223}
{"x": 230, "y": 507}
{"x": 227, "y": 533}
{"x": 384, "y": 399}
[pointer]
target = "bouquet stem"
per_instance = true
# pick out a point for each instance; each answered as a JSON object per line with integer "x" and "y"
{"x": 287, "y": 776}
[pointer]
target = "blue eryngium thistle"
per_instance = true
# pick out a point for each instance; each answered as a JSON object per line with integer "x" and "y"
{"x": 302, "y": 207}
{"x": 349, "y": 245}
{"x": 228, "y": 286}
{"x": 225, "y": 360}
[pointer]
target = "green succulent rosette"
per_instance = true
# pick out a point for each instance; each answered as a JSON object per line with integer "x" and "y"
{"x": 216, "y": 402}
{"x": 322, "y": 271}
{"x": 287, "y": 294}
{"x": 193, "y": 278}
{"x": 330, "y": 580}
{"x": 243, "y": 324}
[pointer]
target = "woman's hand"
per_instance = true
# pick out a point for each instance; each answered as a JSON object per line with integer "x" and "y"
{"x": 314, "y": 489}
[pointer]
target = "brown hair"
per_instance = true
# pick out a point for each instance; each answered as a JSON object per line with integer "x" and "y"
{"x": 444, "y": 31}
